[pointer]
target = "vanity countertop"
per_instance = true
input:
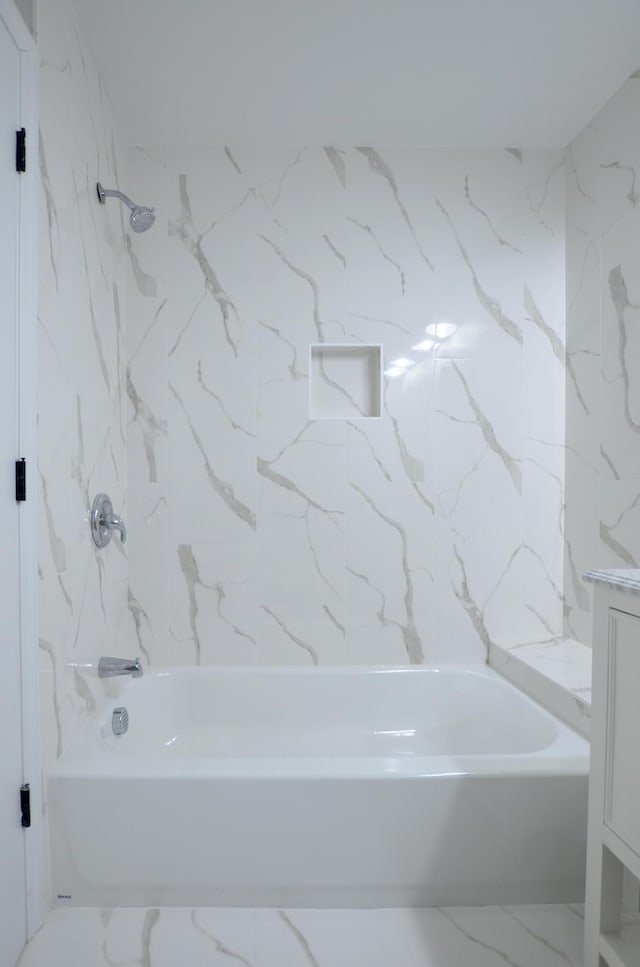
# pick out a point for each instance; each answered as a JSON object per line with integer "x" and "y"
{"x": 622, "y": 579}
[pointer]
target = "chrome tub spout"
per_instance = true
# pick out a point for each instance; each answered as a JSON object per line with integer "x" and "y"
{"x": 110, "y": 667}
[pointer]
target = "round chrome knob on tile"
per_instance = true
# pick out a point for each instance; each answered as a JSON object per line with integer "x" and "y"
{"x": 104, "y": 521}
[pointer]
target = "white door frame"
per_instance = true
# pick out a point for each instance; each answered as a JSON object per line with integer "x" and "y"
{"x": 26, "y": 363}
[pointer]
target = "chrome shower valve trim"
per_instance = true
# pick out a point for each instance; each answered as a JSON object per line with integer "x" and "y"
{"x": 104, "y": 521}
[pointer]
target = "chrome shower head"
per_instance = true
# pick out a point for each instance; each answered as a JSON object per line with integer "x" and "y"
{"x": 141, "y": 218}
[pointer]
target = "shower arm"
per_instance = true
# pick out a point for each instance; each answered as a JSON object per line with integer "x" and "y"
{"x": 113, "y": 193}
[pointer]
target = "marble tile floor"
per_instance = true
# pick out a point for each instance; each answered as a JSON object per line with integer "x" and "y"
{"x": 518, "y": 936}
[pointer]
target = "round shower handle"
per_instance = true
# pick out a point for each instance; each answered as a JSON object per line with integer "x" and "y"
{"x": 104, "y": 521}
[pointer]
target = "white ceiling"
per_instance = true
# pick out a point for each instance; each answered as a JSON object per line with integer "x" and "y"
{"x": 470, "y": 73}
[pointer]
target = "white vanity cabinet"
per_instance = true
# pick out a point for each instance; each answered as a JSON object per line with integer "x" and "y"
{"x": 614, "y": 786}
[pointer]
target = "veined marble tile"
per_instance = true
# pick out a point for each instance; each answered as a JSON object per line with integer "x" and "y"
{"x": 301, "y": 465}
{"x": 563, "y": 660}
{"x": 603, "y": 414}
{"x": 544, "y": 178}
{"x": 147, "y": 390}
{"x": 283, "y": 381}
{"x": 585, "y": 455}
{"x": 582, "y": 182}
{"x": 148, "y": 590}
{"x": 536, "y": 936}
{"x": 305, "y": 634}
{"x": 618, "y": 155}
{"x": 302, "y": 557}
{"x": 514, "y": 934}
{"x": 212, "y": 480}
{"x": 555, "y": 672}
{"x": 213, "y": 613}
{"x": 527, "y": 602}
{"x": 147, "y": 183}
{"x": 582, "y": 398}
{"x": 389, "y": 566}
{"x": 399, "y": 446}
{"x": 82, "y": 359}
{"x": 271, "y": 251}
{"x": 470, "y": 322}
{"x": 342, "y": 938}
{"x": 154, "y": 936}
{"x": 544, "y": 523}
{"x": 582, "y": 541}
{"x": 620, "y": 523}
{"x": 478, "y": 453}
{"x": 462, "y": 588}
{"x": 620, "y": 348}
{"x": 386, "y": 228}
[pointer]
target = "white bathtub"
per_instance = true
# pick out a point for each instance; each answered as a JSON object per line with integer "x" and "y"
{"x": 374, "y": 787}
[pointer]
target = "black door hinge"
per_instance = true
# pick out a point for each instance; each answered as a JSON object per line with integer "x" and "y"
{"x": 21, "y": 479}
{"x": 25, "y": 805}
{"x": 21, "y": 150}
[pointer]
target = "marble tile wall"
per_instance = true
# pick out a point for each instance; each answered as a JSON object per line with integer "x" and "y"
{"x": 258, "y": 535}
{"x": 603, "y": 342}
{"x": 81, "y": 374}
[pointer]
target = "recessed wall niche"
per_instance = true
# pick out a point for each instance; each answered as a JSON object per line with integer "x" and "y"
{"x": 345, "y": 382}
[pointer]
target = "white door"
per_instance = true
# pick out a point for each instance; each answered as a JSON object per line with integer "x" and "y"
{"x": 13, "y": 927}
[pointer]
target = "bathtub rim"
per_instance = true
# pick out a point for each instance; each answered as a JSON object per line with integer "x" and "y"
{"x": 88, "y": 756}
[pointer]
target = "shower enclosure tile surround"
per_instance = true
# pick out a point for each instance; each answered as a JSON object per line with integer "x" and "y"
{"x": 259, "y": 535}
{"x": 81, "y": 375}
{"x": 603, "y": 343}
